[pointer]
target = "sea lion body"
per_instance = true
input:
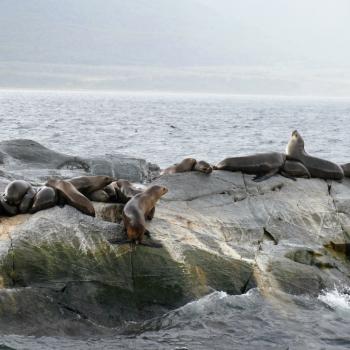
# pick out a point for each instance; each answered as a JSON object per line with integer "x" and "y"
{"x": 262, "y": 165}
{"x": 27, "y": 201}
{"x": 15, "y": 191}
{"x": 185, "y": 165}
{"x": 73, "y": 197}
{"x": 140, "y": 208}
{"x": 99, "y": 196}
{"x": 125, "y": 190}
{"x": 89, "y": 184}
{"x": 317, "y": 167}
{"x": 45, "y": 198}
{"x": 346, "y": 169}
{"x": 295, "y": 169}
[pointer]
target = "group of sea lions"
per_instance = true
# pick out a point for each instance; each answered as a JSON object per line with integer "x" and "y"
{"x": 296, "y": 162}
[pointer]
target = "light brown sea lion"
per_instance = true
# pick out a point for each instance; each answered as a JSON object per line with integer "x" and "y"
{"x": 125, "y": 190}
{"x": 185, "y": 165}
{"x": 45, "y": 197}
{"x": 15, "y": 191}
{"x": 317, "y": 167}
{"x": 88, "y": 184}
{"x": 262, "y": 165}
{"x": 73, "y": 197}
{"x": 346, "y": 169}
{"x": 140, "y": 208}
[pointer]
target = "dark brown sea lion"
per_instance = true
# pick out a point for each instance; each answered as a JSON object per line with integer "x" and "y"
{"x": 295, "y": 169}
{"x": 46, "y": 197}
{"x": 88, "y": 184}
{"x": 317, "y": 167}
{"x": 7, "y": 209}
{"x": 203, "y": 167}
{"x": 340, "y": 247}
{"x": 27, "y": 201}
{"x": 125, "y": 190}
{"x": 262, "y": 165}
{"x": 15, "y": 191}
{"x": 73, "y": 197}
{"x": 140, "y": 208}
{"x": 346, "y": 169}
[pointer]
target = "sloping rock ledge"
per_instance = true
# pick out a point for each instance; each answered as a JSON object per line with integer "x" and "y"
{"x": 59, "y": 274}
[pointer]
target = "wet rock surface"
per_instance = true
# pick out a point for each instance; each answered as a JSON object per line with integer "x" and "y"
{"x": 60, "y": 275}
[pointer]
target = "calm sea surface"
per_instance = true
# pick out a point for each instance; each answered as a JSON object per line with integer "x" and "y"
{"x": 166, "y": 128}
{"x": 163, "y": 129}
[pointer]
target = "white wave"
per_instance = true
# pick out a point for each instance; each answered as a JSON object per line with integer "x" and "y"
{"x": 339, "y": 300}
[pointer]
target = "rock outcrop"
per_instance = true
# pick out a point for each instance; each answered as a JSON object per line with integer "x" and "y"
{"x": 60, "y": 275}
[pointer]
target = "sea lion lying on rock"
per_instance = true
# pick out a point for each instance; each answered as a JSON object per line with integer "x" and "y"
{"x": 317, "y": 167}
{"x": 89, "y": 184}
{"x": 346, "y": 169}
{"x": 188, "y": 164}
{"x": 45, "y": 198}
{"x": 263, "y": 166}
{"x": 140, "y": 208}
{"x": 72, "y": 196}
{"x": 125, "y": 190}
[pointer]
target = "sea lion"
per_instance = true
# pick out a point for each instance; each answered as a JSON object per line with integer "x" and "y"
{"x": 45, "y": 198}
{"x": 15, "y": 191}
{"x": 203, "y": 167}
{"x": 73, "y": 197}
{"x": 317, "y": 167}
{"x": 88, "y": 184}
{"x": 295, "y": 169}
{"x": 188, "y": 164}
{"x": 27, "y": 201}
{"x": 7, "y": 208}
{"x": 185, "y": 165}
{"x": 346, "y": 169}
{"x": 140, "y": 208}
{"x": 99, "y": 196}
{"x": 262, "y": 165}
{"x": 125, "y": 190}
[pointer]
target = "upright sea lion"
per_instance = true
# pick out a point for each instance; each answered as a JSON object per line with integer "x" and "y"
{"x": 15, "y": 191}
{"x": 88, "y": 184}
{"x": 45, "y": 198}
{"x": 262, "y": 165}
{"x": 73, "y": 197}
{"x": 346, "y": 169}
{"x": 317, "y": 167}
{"x": 125, "y": 190}
{"x": 140, "y": 208}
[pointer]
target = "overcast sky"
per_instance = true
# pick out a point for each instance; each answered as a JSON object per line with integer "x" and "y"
{"x": 290, "y": 47}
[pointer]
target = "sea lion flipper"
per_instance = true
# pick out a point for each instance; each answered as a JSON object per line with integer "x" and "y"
{"x": 259, "y": 178}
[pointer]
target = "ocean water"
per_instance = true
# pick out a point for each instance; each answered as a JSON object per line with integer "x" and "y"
{"x": 164, "y": 129}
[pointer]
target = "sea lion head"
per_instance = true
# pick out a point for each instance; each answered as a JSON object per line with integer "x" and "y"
{"x": 295, "y": 145}
{"x": 157, "y": 190}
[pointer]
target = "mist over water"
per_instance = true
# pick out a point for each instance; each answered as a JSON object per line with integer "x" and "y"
{"x": 165, "y": 128}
